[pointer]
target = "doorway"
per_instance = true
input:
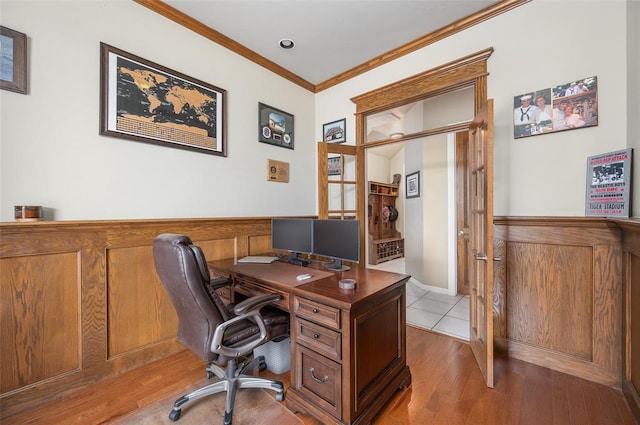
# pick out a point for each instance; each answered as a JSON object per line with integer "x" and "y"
{"x": 469, "y": 72}
{"x": 432, "y": 299}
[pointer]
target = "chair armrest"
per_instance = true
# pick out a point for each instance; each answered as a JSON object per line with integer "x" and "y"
{"x": 248, "y": 309}
{"x": 220, "y": 282}
{"x": 255, "y": 303}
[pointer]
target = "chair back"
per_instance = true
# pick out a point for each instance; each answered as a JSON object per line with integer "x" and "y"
{"x": 183, "y": 271}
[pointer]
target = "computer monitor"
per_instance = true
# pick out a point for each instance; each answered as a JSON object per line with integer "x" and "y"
{"x": 294, "y": 235}
{"x": 338, "y": 240}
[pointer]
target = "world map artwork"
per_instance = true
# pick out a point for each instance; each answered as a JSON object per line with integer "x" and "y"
{"x": 154, "y": 104}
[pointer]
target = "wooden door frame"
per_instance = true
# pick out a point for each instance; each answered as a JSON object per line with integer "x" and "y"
{"x": 469, "y": 71}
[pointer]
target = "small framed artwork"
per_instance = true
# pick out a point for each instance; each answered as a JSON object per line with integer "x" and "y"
{"x": 13, "y": 60}
{"x": 335, "y": 132}
{"x": 334, "y": 166}
{"x": 275, "y": 127}
{"x": 413, "y": 185}
{"x": 146, "y": 102}
{"x": 609, "y": 184}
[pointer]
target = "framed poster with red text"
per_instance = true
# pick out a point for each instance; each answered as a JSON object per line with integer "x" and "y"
{"x": 608, "y": 184}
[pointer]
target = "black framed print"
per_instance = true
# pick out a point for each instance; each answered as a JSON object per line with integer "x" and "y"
{"x": 335, "y": 132}
{"x": 275, "y": 127}
{"x": 335, "y": 168}
{"x": 413, "y": 185}
{"x": 147, "y": 102}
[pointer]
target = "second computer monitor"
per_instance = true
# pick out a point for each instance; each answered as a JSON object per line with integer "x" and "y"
{"x": 338, "y": 240}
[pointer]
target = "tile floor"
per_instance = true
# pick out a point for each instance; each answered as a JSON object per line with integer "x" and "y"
{"x": 431, "y": 310}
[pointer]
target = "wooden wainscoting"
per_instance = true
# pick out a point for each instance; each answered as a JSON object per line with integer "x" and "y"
{"x": 631, "y": 314}
{"x": 81, "y": 301}
{"x": 558, "y": 294}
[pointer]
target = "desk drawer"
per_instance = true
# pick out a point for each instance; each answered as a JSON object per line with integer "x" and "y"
{"x": 320, "y": 339}
{"x": 250, "y": 289}
{"x": 319, "y": 380}
{"x": 316, "y": 312}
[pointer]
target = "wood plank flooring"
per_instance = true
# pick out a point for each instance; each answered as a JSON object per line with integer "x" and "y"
{"x": 447, "y": 388}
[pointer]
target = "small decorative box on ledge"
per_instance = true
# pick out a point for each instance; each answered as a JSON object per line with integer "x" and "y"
{"x": 28, "y": 212}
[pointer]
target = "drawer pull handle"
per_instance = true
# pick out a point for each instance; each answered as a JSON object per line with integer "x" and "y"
{"x": 316, "y": 336}
{"x": 315, "y": 311}
{"x": 318, "y": 380}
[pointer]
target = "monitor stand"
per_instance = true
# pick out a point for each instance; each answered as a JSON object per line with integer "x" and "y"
{"x": 336, "y": 266}
{"x": 297, "y": 260}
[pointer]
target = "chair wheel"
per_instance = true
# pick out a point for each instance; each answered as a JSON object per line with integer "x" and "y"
{"x": 175, "y": 415}
{"x": 210, "y": 374}
{"x": 280, "y": 396}
{"x": 262, "y": 365}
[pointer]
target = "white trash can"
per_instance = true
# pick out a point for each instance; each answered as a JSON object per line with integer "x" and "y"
{"x": 277, "y": 354}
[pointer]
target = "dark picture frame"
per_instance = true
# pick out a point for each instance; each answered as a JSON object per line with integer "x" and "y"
{"x": 13, "y": 62}
{"x": 543, "y": 111}
{"x": 608, "y": 186}
{"x": 335, "y": 132}
{"x": 275, "y": 126}
{"x": 334, "y": 166}
{"x": 412, "y": 185}
{"x": 147, "y": 102}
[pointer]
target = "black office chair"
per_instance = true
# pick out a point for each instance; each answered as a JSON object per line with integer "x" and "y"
{"x": 220, "y": 334}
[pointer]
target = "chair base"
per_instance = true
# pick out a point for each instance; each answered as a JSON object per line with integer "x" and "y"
{"x": 231, "y": 379}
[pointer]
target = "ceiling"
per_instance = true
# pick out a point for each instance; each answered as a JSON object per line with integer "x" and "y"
{"x": 334, "y": 39}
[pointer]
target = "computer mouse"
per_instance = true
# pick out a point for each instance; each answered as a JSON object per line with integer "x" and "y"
{"x": 303, "y": 276}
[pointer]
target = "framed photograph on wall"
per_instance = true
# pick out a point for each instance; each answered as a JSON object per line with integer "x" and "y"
{"x": 608, "y": 184}
{"x": 275, "y": 127}
{"x": 567, "y": 106}
{"x": 13, "y": 60}
{"x": 335, "y": 168}
{"x": 147, "y": 102}
{"x": 413, "y": 185}
{"x": 335, "y": 132}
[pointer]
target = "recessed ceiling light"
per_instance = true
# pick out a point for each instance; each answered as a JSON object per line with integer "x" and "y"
{"x": 286, "y": 43}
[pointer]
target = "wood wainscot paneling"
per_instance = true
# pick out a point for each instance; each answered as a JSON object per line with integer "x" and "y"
{"x": 81, "y": 301}
{"x": 40, "y": 318}
{"x": 558, "y": 292}
{"x": 631, "y": 313}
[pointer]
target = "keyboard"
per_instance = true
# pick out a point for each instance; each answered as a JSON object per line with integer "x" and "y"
{"x": 258, "y": 259}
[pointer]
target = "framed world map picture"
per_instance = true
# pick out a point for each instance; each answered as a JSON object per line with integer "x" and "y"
{"x": 144, "y": 101}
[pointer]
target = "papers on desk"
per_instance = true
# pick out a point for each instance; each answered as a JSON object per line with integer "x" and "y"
{"x": 258, "y": 259}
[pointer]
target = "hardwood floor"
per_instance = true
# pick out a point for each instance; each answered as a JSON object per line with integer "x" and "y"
{"x": 447, "y": 388}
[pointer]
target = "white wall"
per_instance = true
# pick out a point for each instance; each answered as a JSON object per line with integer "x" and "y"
{"x": 535, "y": 46}
{"x": 434, "y": 196}
{"x": 377, "y": 167}
{"x": 52, "y": 155}
{"x": 414, "y": 222}
{"x": 633, "y": 90}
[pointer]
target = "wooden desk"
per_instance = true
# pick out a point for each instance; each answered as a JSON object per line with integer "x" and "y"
{"x": 348, "y": 347}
